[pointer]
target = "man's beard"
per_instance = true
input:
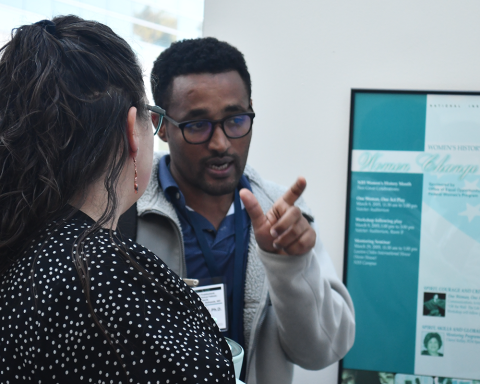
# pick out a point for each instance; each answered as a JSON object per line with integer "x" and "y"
{"x": 219, "y": 187}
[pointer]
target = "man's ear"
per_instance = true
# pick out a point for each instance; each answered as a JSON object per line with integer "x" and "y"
{"x": 162, "y": 133}
{"x": 132, "y": 134}
{"x": 251, "y": 103}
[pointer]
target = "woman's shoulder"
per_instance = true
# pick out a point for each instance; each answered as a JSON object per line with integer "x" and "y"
{"x": 51, "y": 248}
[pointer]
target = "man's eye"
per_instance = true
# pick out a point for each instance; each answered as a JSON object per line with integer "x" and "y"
{"x": 197, "y": 125}
{"x": 237, "y": 120}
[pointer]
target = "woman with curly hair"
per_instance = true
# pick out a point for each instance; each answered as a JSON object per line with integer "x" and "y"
{"x": 79, "y": 302}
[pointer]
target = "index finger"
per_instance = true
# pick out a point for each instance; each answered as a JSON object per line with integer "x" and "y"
{"x": 295, "y": 191}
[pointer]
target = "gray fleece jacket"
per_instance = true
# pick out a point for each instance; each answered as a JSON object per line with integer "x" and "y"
{"x": 296, "y": 310}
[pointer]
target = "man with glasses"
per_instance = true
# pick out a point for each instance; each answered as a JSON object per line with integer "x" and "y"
{"x": 246, "y": 245}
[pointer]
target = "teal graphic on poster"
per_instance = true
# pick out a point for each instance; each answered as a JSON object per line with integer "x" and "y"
{"x": 384, "y": 244}
{"x": 388, "y": 121}
{"x": 413, "y": 236}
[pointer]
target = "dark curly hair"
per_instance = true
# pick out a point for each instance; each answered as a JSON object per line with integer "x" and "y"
{"x": 432, "y": 335}
{"x": 66, "y": 87}
{"x": 64, "y": 98}
{"x": 192, "y": 56}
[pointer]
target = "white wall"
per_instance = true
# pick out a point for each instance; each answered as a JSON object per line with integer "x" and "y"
{"x": 305, "y": 56}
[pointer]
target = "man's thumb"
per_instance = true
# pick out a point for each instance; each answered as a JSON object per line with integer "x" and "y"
{"x": 253, "y": 208}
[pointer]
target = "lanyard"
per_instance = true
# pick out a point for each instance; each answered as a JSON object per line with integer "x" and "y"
{"x": 237, "y": 264}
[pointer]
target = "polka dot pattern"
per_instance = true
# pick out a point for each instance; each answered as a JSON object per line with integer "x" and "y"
{"x": 161, "y": 331}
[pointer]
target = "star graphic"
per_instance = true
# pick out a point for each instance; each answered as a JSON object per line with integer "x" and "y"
{"x": 471, "y": 212}
{"x": 471, "y": 185}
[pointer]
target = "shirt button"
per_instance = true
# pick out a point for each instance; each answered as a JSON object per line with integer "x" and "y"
{"x": 177, "y": 195}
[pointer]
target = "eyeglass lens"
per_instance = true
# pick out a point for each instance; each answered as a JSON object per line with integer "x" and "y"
{"x": 234, "y": 126}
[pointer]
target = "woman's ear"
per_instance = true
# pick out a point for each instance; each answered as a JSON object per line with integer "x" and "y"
{"x": 132, "y": 134}
{"x": 162, "y": 133}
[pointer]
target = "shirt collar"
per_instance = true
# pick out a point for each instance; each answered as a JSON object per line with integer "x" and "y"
{"x": 168, "y": 183}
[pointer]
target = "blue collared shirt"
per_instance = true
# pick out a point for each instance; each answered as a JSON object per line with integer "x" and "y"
{"x": 221, "y": 241}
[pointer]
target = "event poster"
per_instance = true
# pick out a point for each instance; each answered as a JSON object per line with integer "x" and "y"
{"x": 413, "y": 238}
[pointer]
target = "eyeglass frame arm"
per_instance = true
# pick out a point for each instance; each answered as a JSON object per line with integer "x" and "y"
{"x": 161, "y": 112}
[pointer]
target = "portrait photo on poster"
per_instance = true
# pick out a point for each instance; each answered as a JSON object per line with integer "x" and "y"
{"x": 432, "y": 344}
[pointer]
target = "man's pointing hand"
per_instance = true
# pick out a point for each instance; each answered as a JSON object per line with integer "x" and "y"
{"x": 283, "y": 229}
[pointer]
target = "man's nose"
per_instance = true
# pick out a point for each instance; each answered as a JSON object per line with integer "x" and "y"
{"x": 219, "y": 142}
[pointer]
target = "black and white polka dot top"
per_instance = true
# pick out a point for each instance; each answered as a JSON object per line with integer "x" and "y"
{"x": 160, "y": 330}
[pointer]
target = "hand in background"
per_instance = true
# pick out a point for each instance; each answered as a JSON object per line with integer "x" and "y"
{"x": 283, "y": 229}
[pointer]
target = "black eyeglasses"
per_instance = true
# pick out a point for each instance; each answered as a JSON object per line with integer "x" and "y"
{"x": 201, "y": 131}
{"x": 157, "y": 115}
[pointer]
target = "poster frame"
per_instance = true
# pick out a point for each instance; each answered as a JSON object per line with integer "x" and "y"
{"x": 353, "y": 93}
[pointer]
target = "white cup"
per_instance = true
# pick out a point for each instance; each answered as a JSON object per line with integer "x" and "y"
{"x": 237, "y": 357}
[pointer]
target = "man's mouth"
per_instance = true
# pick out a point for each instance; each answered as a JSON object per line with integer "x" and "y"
{"x": 219, "y": 167}
{"x": 220, "y": 164}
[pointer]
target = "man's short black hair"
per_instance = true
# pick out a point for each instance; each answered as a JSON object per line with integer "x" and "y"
{"x": 193, "y": 56}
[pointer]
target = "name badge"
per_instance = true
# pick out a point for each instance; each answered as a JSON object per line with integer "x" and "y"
{"x": 214, "y": 298}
